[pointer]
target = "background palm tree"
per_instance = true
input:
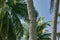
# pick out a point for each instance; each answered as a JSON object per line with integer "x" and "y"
{"x": 55, "y": 4}
{"x": 40, "y": 29}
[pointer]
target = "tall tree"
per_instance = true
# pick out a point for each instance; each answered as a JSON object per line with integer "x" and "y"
{"x": 54, "y": 27}
{"x": 32, "y": 18}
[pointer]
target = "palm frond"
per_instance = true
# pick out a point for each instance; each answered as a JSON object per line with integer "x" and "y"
{"x": 51, "y": 5}
{"x": 11, "y": 33}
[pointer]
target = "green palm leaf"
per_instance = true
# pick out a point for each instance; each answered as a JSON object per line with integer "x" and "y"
{"x": 11, "y": 25}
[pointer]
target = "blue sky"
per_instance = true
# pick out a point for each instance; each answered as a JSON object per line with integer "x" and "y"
{"x": 43, "y": 9}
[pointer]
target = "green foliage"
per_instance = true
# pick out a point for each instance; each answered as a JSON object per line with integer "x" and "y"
{"x": 39, "y": 30}
{"x": 10, "y": 14}
{"x": 11, "y": 33}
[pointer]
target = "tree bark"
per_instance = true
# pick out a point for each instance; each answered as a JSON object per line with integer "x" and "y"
{"x": 32, "y": 18}
{"x": 54, "y": 27}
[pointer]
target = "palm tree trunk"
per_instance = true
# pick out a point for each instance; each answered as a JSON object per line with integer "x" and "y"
{"x": 54, "y": 27}
{"x": 32, "y": 18}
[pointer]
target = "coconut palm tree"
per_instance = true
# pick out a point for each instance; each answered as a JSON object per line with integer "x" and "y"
{"x": 32, "y": 18}
{"x": 54, "y": 3}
